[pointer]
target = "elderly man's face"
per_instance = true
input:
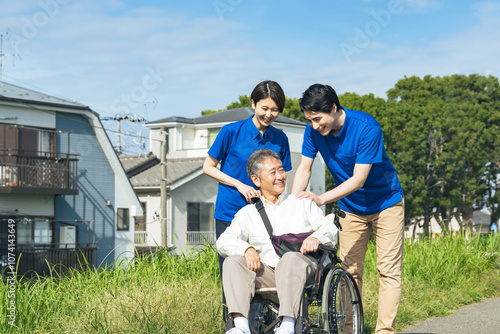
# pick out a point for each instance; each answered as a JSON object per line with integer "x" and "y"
{"x": 272, "y": 178}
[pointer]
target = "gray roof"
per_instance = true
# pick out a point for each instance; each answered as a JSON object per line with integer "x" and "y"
{"x": 13, "y": 93}
{"x": 134, "y": 164}
{"x": 151, "y": 177}
{"x": 231, "y": 115}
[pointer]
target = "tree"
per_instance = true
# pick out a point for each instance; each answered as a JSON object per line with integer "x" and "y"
{"x": 243, "y": 101}
{"x": 449, "y": 126}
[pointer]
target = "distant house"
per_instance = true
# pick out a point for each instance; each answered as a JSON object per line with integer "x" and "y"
{"x": 61, "y": 183}
{"x": 480, "y": 225}
{"x": 190, "y": 193}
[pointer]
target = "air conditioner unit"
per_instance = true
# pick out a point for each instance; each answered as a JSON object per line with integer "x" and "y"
{"x": 67, "y": 235}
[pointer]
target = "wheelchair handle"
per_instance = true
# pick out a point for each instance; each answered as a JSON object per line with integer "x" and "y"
{"x": 338, "y": 213}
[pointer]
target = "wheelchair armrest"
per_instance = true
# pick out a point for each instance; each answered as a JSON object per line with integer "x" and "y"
{"x": 327, "y": 249}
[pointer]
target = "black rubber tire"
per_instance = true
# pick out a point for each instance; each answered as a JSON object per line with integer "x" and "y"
{"x": 341, "y": 301}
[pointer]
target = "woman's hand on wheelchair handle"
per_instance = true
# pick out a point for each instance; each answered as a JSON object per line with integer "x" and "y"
{"x": 309, "y": 245}
{"x": 253, "y": 259}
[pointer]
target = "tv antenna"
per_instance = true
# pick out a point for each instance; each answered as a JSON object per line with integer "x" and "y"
{"x": 2, "y": 54}
{"x": 154, "y": 102}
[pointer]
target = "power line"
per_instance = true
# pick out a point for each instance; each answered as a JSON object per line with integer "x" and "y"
{"x": 68, "y": 118}
{"x": 119, "y": 119}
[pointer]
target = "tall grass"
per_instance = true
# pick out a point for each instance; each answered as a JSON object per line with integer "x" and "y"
{"x": 181, "y": 294}
{"x": 439, "y": 276}
{"x": 160, "y": 294}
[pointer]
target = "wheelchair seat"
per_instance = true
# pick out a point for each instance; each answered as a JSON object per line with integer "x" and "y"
{"x": 331, "y": 304}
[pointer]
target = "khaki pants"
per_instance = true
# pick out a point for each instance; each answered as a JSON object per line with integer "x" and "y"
{"x": 292, "y": 273}
{"x": 388, "y": 228}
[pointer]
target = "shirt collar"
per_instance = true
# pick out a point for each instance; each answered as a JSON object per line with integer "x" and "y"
{"x": 254, "y": 131}
{"x": 266, "y": 202}
{"x": 346, "y": 123}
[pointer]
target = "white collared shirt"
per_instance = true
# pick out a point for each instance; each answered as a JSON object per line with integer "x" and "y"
{"x": 287, "y": 215}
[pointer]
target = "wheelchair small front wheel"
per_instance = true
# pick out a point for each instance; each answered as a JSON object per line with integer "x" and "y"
{"x": 341, "y": 307}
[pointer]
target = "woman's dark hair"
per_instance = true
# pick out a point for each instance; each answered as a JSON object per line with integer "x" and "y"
{"x": 319, "y": 98}
{"x": 270, "y": 89}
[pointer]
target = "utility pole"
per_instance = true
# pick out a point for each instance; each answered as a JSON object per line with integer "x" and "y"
{"x": 119, "y": 118}
{"x": 163, "y": 187}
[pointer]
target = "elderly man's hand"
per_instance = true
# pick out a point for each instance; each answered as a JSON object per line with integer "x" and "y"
{"x": 309, "y": 245}
{"x": 253, "y": 259}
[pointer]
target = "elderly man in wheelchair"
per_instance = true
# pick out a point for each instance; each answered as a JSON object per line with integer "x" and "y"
{"x": 251, "y": 255}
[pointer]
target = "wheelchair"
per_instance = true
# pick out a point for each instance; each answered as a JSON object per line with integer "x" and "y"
{"x": 332, "y": 304}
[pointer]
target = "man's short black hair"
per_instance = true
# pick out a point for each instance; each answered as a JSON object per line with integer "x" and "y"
{"x": 319, "y": 98}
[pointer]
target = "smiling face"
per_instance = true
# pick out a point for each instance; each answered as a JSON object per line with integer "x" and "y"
{"x": 266, "y": 111}
{"x": 326, "y": 123}
{"x": 272, "y": 179}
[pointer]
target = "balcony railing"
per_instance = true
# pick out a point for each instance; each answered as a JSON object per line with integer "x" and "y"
{"x": 200, "y": 238}
{"x": 140, "y": 237}
{"x": 50, "y": 174}
{"x": 44, "y": 259}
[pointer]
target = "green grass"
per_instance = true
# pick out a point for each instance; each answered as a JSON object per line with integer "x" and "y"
{"x": 181, "y": 294}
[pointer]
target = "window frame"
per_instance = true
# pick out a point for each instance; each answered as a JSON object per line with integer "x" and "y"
{"x": 123, "y": 215}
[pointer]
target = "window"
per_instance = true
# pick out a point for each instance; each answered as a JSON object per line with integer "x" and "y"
{"x": 212, "y": 134}
{"x": 33, "y": 231}
{"x": 140, "y": 221}
{"x": 26, "y": 141}
{"x": 200, "y": 217}
{"x": 122, "y": 219}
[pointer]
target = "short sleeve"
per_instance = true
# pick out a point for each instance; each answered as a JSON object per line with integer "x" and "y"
{"x": 221, "y": 145}
{"x": 285, "y": 155}
{"x": 308, "y": 148}
{"x": 371, "y": 146}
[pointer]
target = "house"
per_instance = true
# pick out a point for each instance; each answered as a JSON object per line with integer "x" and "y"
{"x": 480, "y": 225}
{"x": 190, "y": 193}
{"x": 62, "y": 184}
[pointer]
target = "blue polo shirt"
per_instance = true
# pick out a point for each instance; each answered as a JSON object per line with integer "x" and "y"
{"x": 359, "y": 142}
{"x": 232, "y": 147}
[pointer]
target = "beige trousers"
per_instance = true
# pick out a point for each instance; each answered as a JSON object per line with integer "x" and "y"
{"x": 388, "y": 228}
{"x": 292, "y": 273}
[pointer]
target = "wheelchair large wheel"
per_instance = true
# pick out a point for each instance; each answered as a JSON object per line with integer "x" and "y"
{"x": 342, "y": 309}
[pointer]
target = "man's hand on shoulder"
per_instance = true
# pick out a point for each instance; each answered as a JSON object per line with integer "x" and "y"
{"x": 309, "y": 245}
{"x": 253, "y": 259}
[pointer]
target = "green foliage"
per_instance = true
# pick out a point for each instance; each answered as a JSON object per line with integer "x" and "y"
{"x": 243, "y": 101}
{"x": 444, "y": 136}
{"x": 167, "y": 293}
{"x": 208, "y": 112}
{"x": 292, "y": 110}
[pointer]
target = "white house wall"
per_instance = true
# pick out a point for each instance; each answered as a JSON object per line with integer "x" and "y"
{"x": 27, "y": 204}
{"x": 124, "y": 240}
{"x": 28, "y": 117}
{"x": 202, "y": 189}
{"x": 294, "y": 134}
{"x": 153, "y": 227}
{"x": 155, "y": 141}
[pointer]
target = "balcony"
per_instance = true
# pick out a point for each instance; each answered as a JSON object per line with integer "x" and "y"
{"x": 141, "y": 238}
{"x": 44, "y": 173}
{"x": 200, "y": 238}
{"x": 31, "y": 260}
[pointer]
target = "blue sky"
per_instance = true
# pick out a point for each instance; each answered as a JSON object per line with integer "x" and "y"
{"x": 175, "y": 58}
